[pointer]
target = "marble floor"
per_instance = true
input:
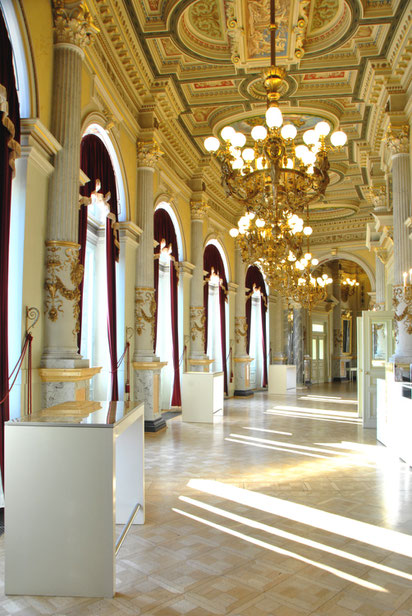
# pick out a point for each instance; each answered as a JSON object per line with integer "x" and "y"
{"x": 285, "y": 506}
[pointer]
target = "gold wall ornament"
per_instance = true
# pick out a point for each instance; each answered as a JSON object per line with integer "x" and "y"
{"x": 145, "y": 310}
{"x": 240, "y": 329}
{"x": 62, "y": 259}
{"x": 397, "y": 139}
{"x": 337, "y": 338}
{"x": 402, "y": 294}
{"x": 377, "y": 194}
{"x": 198, "y": 209}
{"x": 197, "y": 322}
{"x": 148, "y": 153}
{"x": 73, "y": 23}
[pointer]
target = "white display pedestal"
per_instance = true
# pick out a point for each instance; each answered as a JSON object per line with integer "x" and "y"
{"x": 202, "y": 396}
{"x": 281, "y": 379}
{"x": 71, "y": 473}
{"x": 394, "y": 417}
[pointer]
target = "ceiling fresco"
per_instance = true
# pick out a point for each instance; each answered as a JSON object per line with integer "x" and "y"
{"x": 201, "y": 61}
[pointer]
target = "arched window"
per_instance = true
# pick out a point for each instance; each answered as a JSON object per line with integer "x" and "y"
{"x": 166, "y": 279}
{"x": 215, "y": 300}
{"x": 256, "y": 310}
{"x": 9, "y": 150}
{"x": 99, "y": 252}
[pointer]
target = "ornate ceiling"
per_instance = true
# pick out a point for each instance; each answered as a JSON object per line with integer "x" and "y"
{"x": 196, "y": 65}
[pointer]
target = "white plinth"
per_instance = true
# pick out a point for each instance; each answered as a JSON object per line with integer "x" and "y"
{"x": 71, "y": 476}
{"x": 281, "y": 379}
{"x": 394, "y": 418}
{"x": 202, "y": 396}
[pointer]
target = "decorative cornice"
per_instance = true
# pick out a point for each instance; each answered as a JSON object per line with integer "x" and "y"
{"x": 67, "y": 375}
{"x": 148, "y": 153}
{"x": 397, "y": 139}
{"x": 73, "y": 24}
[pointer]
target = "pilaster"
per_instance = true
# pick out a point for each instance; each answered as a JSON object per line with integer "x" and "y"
{"x": 147, "y": 367}
{"x": 73, "y": 29}
{"x": 242, "y": 360}
{"x": 197, "y": 358}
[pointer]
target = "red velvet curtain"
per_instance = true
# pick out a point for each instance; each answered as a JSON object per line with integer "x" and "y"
{"x": 9, "y": 150}
{"x": 164, "y": 230}
{"x": 212, "y": 258}
{"x": 95, "y": 162}
{"x": 254, "y": 276}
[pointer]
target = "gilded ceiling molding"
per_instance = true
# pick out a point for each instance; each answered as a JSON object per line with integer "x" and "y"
{"x": 73, "y": 23}
{"x": 198, "y": 209}
{"x": 148, "y": 153}
{"x": 397, "y": 139}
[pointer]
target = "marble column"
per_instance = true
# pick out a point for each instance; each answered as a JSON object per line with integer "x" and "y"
{"x": 241, "y": 360}
{"x": 337, "y": 322}
{"x": 146, "y": 365}
{"x": 198, "y": 361}
{"x": 276, "y": 329}
{"x": 72, "y": 31}
{"x": 380, "y": 260}
{"x": 298, "y": 344}
{"x": 398, "y": 141}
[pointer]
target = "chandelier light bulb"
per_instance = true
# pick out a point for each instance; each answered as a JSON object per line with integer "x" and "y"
{"x": 301, "y": 151}
{"x": 260, "y": 163}
{"x": 338, "y": 138}
{"x": 308, "y": 256}
{"x": 244, "y": 222}
{"x": 319, "y": 280}
{"x": 303, "y": 262}
{"x": 211, "y": 144}
{"x": 307, "y": 230}
{"x": 234, "y": 232}
{"x": 235, "y": 152}
{"x": 288, "y": 131}
{"x": 310, "y": 137}
{"x": 274, "y": 117}
{"x": 322, "y": 128}
{"x": 237, "y": 163}
{"x": 248, "y": 154}
{"x": 310, "y": 158}
{"x": 259, "y": 133}
{"x": 315, "y": 261}
{"x": 238, "y": 140}
{"x": 310, "y": 169}
{"x": 259, "y": 222}
{"x": 289, "y": 164}
{"x": 251, "y": 215}
{"x": 227, "y": 133}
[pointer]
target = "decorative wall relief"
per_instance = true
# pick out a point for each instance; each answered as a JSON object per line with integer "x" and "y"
{"x": 145, "y": 310}
{"x": 62, "y": 262}
{"x": 402, "y": 296}
{"x": 240, "y": 329}
{"x": 197, "y": 323}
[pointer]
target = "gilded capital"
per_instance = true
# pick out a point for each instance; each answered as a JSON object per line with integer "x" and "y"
{"x": 378, "y": 197}
{"x": 148, "y": 153}
{"x": 397, "y": 139}
{"x": 198, "y": 209}
{"x": 382, "y": 255}
{"x": 73, "y": 23}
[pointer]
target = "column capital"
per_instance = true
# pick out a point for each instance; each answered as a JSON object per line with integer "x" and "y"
{"x": 397, "y": 139}
{"x": 382, "y": 255}
{"x": 148, "y": 153}
{"x": 378, "y": 196}
{"x": 73, "y": 24}
{"x": 198, "y": 209}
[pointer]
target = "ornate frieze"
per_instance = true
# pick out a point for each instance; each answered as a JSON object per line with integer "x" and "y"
{"x": 197, "y": 323}
{"x": 397, "y": 139}
{"x": 73, "y": 23}
{"x": 145, "y": 310}
{"x": 148, "y": 153}
{"x": 198, "y": 209}
{"x": 62, "y": 265}
{"x": 240, "y": 329}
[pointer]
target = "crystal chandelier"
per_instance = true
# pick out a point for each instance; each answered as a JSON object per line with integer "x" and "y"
{"x": 309, "y": 290}
{"x": 293, "y": 175}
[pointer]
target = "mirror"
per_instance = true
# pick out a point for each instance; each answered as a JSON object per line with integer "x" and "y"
{"x": 346, "y": 333}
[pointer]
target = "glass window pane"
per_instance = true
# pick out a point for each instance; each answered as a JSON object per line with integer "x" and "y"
{"x": 317, "y": 327}
{"x": 314, "y": 354}
{"x": 321, "y": 348}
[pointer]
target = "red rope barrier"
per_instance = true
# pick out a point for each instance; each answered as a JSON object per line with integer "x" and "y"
{"x": 16, "y": 370}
